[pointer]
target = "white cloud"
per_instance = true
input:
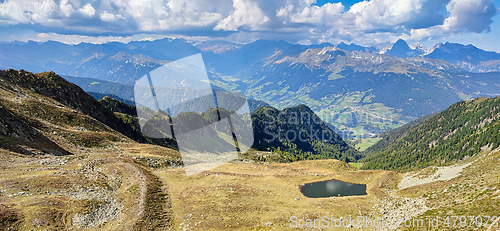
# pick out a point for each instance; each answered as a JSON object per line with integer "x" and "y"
{"x": 88, "y": 10}
{"x": 292, "y": 20}
{"x": 76, "y": 39}
{"x": 325, "y": 14}
{"x": 66, "y": 8}
{"x": 464, "y": 15}
{"x": 397, "y": 14}
{"x": 9, "y": 15}
{"x": 472, "y": 15}
{"x": 109, "y": 17}
{"x": 246, "y": 13}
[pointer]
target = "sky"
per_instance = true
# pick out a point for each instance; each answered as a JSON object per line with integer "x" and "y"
{"x": 365, "y": 23}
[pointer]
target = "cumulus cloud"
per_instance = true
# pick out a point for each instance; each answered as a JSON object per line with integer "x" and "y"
{"x": 109, "y": 17}
{"x": 246, "y": 13}
{"x": 10, "y": 15}
{"x": 325, "y": 14}
{"x": 471, "y": 15}
{"x": 88, "y": 10}
{"x": 292, "y": 20}
{"x": 397, "y": 14}
{"x": 66, "y": 8}
{"x": 464, "y": 15}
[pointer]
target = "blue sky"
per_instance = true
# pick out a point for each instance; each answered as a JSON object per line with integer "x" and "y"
{"x": 366, "y": 23}
{"x": 348, "y": 4}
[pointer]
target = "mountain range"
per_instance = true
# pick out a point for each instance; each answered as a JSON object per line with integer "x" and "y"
{"x": 35, "y": 108}
{"x": 124, "y": 63}
{"x": 361, "y": 91}
{"x": 71, "y": 162}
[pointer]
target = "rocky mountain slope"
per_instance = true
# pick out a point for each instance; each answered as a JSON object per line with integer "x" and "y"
{"x": 51, "y": 85}
{"x": 64, "y": 167}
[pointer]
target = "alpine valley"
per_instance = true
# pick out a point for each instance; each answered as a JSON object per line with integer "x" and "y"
{"x": 74, "y": 155}
{"x": 361, "y": 91}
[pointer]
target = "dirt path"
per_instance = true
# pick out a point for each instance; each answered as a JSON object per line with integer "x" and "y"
{"x": 158, "y": 214}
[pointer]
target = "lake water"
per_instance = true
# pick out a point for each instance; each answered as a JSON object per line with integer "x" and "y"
{"x": 332, "y": 188}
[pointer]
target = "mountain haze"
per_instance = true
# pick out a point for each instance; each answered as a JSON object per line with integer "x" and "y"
{"x": 356, "y": 89}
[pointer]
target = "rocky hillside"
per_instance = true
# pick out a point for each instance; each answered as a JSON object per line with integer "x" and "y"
{"x": 51, "y": 85}
{"x": 36, "y": 107}
{"x": 64, "y": 167}
{"x": 117, "y": 106}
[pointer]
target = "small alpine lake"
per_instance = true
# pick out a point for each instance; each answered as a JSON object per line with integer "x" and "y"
{"x": 332, "y": 188}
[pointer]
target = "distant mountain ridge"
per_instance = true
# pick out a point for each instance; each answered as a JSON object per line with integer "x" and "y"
{"x": 400, "y": 49}
{"x": 125, "y": 63}
{"x": 125, "y": 93}
{"x": 359, "y": 92}
{"x": 468, "y": 57}
{"x": 347, "y": 83}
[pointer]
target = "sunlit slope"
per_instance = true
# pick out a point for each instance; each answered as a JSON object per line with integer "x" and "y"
{"x": 463, "y": 130}
{"x": 64, "y": 167}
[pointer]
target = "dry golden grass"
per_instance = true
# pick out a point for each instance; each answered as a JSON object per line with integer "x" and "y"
{"x": 239, "y": 196}
{"x": 46, "y": 193}
{"x": 67, "y": 171}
